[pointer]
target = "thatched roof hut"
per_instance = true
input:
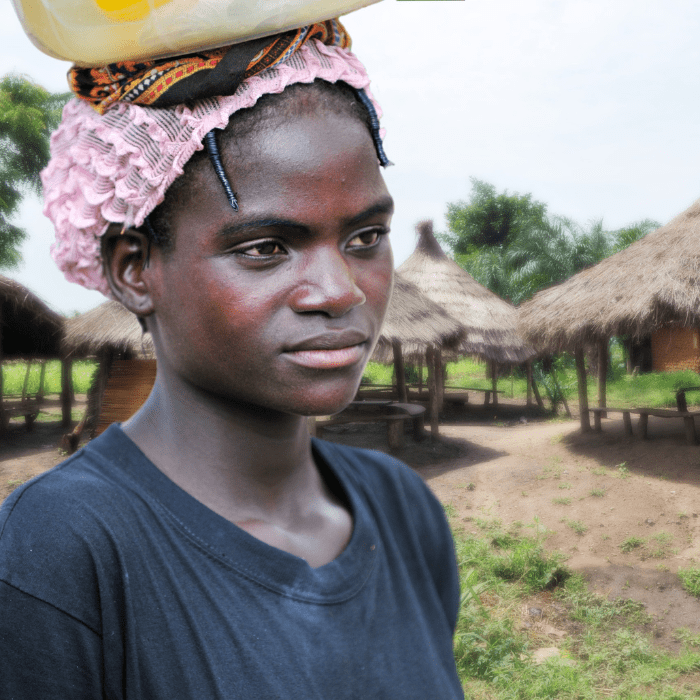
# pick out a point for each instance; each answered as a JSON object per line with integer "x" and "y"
{"x": 28, "y": 327}
{"x": 107, "y": 328}
{"x": 416, "y": 322}
{"x": 653, "y": 283}
{"x": 489, "y": 321}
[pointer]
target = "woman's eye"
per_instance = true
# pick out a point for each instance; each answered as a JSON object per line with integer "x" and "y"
{"x": 262, "y": 249}
{"x": 366, "y": 239}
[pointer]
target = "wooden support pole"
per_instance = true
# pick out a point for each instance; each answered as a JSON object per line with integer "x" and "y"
{"x": 582, "y": 389}
{"x": 528, "y": 376}
{"x": 420, "y": 374}
{"x": 432, "y": 391}
{"x": 439, "y": 379}
{"x": 25, "y": 383}
{"x": 494, "y": 381}
{"x": 400, "y": 371}
{"x": 42, "y": 379}
{"x": 66, "y": 380}
{"x": 602, "y": 374}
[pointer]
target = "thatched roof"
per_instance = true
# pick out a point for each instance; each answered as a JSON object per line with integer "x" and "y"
{"x": 653, "y": 283}
{"x": 490, "y": 322}
{"x": 415, "y": 322}
{"x": 109, "y": 327}
{"x": 28, "y": 327}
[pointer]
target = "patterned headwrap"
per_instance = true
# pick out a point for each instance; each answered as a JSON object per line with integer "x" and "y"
{"x": 113, "y": 160}
{"x": 171, "y": 81}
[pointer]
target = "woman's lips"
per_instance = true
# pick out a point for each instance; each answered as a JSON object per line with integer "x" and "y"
{"x": 328, "y": 358}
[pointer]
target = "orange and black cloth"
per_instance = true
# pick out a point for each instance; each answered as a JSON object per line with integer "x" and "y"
{"x": 219, "y": 72}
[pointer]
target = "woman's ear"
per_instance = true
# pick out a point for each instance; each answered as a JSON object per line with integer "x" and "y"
{"x": 125, "y": 260}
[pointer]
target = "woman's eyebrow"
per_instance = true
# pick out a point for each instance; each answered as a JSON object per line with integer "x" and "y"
{"x": 260, "y": 224}
{"x": 383, "y": 206}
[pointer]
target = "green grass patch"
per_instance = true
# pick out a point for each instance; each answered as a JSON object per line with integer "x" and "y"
{"x": 631, "y": 543}
{"x": 690, "y": 578}
{"x": 561, "y": 501}
{"x": 577, "y": 526}
{"x": 607, "y": 654}
{"x": 14, "y": 374}
{"x": 598, "y": 493}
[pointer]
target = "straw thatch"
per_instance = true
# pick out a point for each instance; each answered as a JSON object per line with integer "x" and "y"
{"x": 107, "y": 328}
{"x": 489, "y": 321}
{"x": 653, "y": 283}
{"x": 28, "y": 327}
{"x": 416, "y": 322}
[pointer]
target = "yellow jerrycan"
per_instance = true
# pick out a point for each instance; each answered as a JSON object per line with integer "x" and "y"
{"x": 98, "y": 32}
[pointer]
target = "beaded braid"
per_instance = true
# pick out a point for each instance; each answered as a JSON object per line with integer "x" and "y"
{"x": 215, "y": 158}
{"x": 374, "y": 127}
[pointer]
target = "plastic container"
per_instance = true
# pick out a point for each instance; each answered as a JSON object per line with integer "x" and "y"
{"x": 98, "y": 32}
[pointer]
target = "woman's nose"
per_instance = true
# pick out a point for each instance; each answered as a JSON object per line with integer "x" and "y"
{"x": 328, "y": 285}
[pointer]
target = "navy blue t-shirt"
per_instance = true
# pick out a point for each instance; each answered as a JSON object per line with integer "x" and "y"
{"x": 115, "y": 583}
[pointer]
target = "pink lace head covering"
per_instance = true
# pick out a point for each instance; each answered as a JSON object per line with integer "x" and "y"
{"x": 116, "y": 167}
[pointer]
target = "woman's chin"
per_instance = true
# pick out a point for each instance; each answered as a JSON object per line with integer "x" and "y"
{"x": 327, "y": 405}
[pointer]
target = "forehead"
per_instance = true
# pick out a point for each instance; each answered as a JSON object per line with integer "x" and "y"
{"x": 312, "y": 167}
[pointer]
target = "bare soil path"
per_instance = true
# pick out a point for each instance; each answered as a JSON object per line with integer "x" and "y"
{"x": 592, "y": 492}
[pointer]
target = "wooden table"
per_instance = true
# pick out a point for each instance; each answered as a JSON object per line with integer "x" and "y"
{"x": 644, "y": 413}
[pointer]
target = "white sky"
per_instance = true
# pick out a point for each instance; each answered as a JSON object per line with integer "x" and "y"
{"x": 592, "y": 106}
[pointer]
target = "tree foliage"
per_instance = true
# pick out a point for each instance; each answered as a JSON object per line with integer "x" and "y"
{"x": 508, "y": 243}
{"x": 28, "y": 114}
{"x": 490, "y": 219}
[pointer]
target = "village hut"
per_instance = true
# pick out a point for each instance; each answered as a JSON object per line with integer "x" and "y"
{"x": 29, "y": 330}
{"x": 652, "y": 288}
{"x": 490, "y": 323}
{"x": 413, "y": 324}
{"x": 126, "y": 364}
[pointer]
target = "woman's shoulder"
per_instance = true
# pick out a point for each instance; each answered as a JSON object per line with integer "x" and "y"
{"x": 62, "y": 526}
{"x": 87, "y": 481}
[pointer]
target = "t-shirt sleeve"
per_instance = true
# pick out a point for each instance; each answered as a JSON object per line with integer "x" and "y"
{"x": 45, "y": 653}
{"x": 438, "y": 544}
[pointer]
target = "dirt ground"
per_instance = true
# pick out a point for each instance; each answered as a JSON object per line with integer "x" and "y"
{"x": 512, "y": 465}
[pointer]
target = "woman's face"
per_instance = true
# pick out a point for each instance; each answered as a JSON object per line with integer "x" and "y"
{"x": 279, "y": 304}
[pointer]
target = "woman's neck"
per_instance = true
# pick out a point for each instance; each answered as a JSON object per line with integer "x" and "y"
{"x": 243, "y": 462}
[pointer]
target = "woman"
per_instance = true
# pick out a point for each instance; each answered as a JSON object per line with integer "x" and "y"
{"x": 207, "y": 548}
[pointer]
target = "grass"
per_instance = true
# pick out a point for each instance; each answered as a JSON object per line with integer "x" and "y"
{"x": 607, "y": 653}
{"x": 14, "y": 375}
{"x": 577, "y": 526}
{"x": 598, "y": 493}
{"x": 631, "y": 543}
{"x": 653, "y": 389}
{"x": 657, "y": 546}
{"x": 690, "y": 578}
{"x": 561, "y": 501}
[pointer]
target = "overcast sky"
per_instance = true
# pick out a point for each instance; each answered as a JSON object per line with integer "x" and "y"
{"x": 590, "y": 105}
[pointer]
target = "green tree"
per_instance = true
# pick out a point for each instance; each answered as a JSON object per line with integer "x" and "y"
{"x": 508, "y": 243}
{"x": 490, "y": 219}
{"x": 28, "y": 114}
{"x": 624, "y": 237}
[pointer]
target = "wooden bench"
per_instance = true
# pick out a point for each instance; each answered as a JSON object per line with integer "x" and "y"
{"x": 681, "y": 403}
{"x": 27, "y": 408}
{"x": 644, "y": 413}
{"x": 392, "y": 413}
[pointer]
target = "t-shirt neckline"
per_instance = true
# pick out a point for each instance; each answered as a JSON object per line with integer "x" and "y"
{"x": 273, "y": 568}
